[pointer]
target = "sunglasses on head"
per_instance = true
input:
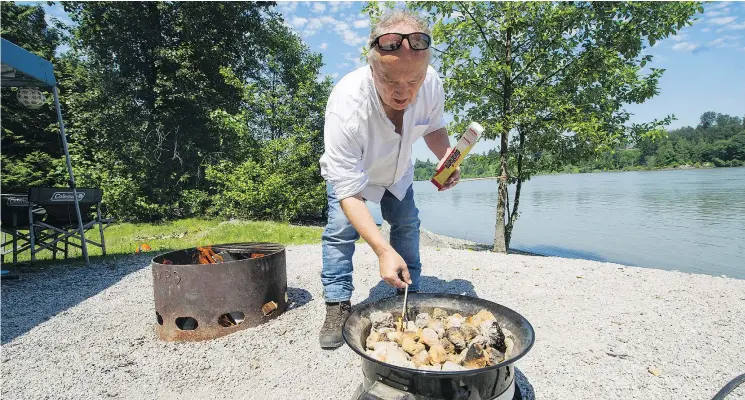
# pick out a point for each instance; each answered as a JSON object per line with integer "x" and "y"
{"x": 392, "y": 41}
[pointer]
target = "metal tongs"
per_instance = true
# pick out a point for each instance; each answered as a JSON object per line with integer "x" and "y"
{"x": 404, "y": 317}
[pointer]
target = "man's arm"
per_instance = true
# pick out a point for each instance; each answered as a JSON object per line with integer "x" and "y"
{"x": 390, "y": 261}
{"x": 358, "y": 214}
{"x": 438, "y": 142}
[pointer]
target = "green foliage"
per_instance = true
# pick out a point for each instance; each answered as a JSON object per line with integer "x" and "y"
{"x": 278, "y": 177}
{"x": 424, "y": 170}
{"x": 282, "y": 191}
{"x": 173, "y": 109}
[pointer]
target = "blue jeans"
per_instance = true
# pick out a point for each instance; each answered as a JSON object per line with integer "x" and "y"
{"x": 339, "y": 237}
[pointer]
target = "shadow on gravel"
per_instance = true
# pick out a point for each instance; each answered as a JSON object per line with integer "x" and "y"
{"x": 526, "y": 389}
{"x": 298, "y": 297}
{"x": 38, "y": 294}
{"x": 428, "y": 284}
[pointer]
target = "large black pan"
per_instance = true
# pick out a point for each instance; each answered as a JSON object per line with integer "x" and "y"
{"x": 482, "y": 383}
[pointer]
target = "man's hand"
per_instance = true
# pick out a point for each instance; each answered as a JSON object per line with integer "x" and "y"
{"x": 454, "y": 177}
{"x": 390, "y": 265}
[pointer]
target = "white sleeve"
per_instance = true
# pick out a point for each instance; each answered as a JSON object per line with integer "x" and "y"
{"x": 341, "y": 163}
{"x": 436, "y": 117}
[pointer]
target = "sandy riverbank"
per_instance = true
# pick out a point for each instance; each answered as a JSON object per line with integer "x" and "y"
{"x": 88, "y": 332}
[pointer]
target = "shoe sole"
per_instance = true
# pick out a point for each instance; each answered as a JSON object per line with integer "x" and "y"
{"x": 332, "y": 346}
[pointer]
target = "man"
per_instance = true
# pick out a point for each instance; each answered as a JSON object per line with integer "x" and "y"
{"x": 373, "y": 117}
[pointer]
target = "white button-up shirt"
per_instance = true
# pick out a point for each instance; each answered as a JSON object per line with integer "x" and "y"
{"x": 363, "y": 153}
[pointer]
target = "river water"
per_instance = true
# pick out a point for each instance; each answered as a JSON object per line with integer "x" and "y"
{"x": 686, "y": 220}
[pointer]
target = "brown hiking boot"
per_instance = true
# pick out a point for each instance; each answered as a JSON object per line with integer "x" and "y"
{"x": 336, "y": 314}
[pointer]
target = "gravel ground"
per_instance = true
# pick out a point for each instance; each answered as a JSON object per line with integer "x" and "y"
{"x": 87, "y": 332}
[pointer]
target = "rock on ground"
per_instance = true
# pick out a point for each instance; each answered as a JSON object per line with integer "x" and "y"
{"x": 87, "y": 332}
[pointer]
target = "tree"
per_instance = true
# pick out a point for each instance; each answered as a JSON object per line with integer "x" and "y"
{"x": 549, "y": 76}
{"x": 707, "y": 119}
{"x": 283, "y": 119}
{"x": 424, "y": 170}
{"x": 154, "y": 82}
{"x": 32, "y": 153}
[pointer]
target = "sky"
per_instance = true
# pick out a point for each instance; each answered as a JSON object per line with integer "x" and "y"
{"x": 704, "y": 62}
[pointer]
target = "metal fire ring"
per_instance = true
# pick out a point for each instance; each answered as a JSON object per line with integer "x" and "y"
{"x": 204, "y": 301}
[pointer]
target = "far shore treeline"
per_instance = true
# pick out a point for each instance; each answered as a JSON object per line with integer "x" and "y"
{"x": 717, "y": 141}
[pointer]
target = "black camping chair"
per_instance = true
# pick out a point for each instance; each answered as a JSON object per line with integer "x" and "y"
{"x": 14, "y": 221}
{"x": 61, "y": 223}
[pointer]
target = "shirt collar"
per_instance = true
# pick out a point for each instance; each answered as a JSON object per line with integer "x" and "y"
{"x": 374, "y": 93}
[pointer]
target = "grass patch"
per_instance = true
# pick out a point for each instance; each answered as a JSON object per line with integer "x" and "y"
{"x": 124, "y": 238}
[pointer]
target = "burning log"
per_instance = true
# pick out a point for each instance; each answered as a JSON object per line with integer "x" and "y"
{"x": 438, "y": 341}
{"x": 205, "y": 255}
{"x": 268, "y": 308}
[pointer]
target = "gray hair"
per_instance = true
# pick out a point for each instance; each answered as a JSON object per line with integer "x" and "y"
{"x": 396, "y": 17}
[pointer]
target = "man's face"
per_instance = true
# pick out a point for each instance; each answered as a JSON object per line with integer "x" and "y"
{"x": 399, "y": 74}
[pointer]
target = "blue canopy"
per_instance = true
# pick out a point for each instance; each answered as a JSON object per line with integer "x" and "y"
{"x": 22, "y": 68}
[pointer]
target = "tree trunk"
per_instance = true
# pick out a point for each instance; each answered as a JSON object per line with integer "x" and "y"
{"x": 500, "y": 240}
{"x": 513, "y": 216}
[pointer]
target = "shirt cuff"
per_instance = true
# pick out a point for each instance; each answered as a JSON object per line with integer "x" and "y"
{"x": 433, "y": 127}
{"x": 348, "y": 187}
